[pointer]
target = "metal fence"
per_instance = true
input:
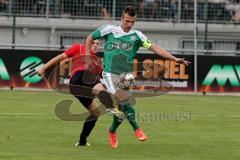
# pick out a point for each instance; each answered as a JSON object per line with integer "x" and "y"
{"x": 213, "y": 11}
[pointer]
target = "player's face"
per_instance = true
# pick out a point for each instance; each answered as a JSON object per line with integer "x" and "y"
{"x": 95, "y": 46}
{"x": 127, "y": 22}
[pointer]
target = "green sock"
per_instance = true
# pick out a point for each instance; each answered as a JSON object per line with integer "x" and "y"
{"x": 129, "y": 112}
{"x": 116, "y": 122}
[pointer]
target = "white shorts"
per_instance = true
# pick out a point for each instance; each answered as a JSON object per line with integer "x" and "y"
{"x": 111, "y": 81}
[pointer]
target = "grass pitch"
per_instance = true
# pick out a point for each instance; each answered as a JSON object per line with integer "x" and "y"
{"x": 179, "y": 127}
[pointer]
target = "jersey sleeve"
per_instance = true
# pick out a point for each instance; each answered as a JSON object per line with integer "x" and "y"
{"x": 102, "y": 31}
{"x": 73, "y": 50}
{"x": 144, "y": 40}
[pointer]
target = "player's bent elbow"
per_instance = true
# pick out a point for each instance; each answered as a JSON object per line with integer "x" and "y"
{"x": 60, "y": 57}
{"x": 89, "y": 38}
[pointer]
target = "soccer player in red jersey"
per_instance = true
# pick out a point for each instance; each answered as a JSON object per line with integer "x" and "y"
{"x": 80, "y": 77}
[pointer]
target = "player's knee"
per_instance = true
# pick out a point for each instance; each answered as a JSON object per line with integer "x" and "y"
{"x": 121, "y": 96}
{"x": 97, "y": 89}
{"x": 96, "y": 112}
{"x": 106, "y": 99}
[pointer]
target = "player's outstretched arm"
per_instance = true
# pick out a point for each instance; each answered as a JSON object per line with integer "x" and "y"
{"x": 165, "y": 54}
{"x": 52, "y": 62}
{"x": 89, "y": 43}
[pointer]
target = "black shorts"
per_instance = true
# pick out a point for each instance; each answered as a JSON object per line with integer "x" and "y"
{"x": 81, "y": 84}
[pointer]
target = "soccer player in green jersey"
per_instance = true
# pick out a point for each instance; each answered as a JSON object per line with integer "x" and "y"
{"x": 122, "y": 44}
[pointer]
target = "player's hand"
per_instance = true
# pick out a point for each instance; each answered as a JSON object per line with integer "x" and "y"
{"x": 41, "y": 71}
{"x": 182, "y": 61}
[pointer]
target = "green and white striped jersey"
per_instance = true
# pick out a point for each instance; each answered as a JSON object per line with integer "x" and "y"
{"x": 120, "y": 47}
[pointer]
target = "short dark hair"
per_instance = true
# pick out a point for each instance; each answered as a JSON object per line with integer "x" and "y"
{"x": 130, "y": 10}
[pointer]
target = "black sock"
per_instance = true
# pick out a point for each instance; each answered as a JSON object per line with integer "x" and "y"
{"x": 105, "y": 99}
{"x": 87, "y": 128}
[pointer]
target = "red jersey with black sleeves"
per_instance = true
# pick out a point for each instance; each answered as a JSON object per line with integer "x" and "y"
{"x": 77, "y": 52}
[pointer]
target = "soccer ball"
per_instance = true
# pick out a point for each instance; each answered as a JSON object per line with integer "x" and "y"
{"x": 126, "y": 81}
